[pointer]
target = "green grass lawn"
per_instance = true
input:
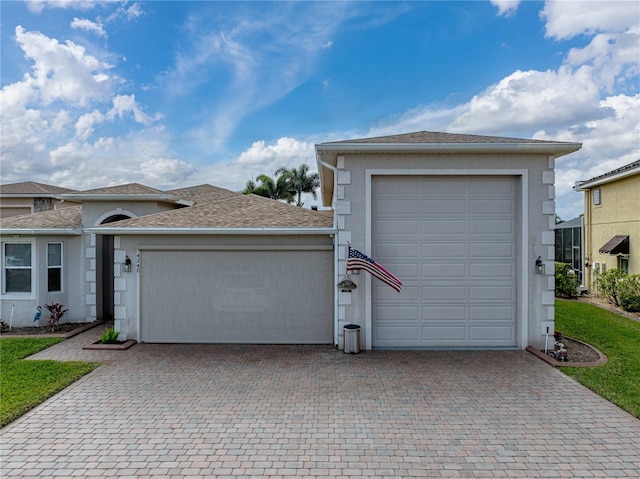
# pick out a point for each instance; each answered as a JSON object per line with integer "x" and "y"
{"x": 617, "y": 337}
{"x": 24, "y": 384}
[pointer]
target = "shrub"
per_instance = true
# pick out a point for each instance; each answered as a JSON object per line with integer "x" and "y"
{"x": 608, "y": 284}
{"x": 567, "y": 281}
{"x": 110, "y": 336}
{"x": 56, "y": 312}
{"x": 629, "y": 293}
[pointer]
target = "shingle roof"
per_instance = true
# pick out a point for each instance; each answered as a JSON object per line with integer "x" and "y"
{"x": 128, "y": 189}
{"x": 235, "y": 211}
{"x": 202, "y": 193}
{"x": 63, "y": 218}
{"x": 428, "y": 137}
{"x": 32, "y": 188}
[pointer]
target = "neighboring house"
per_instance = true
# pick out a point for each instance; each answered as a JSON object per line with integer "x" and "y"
{"x": 461, "y": 220}
{"x": 569, "y": 240}
{"x": 29, "y": 197}
{"x": 612, "y": 221}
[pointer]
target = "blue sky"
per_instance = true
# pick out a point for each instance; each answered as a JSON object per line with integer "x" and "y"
{"x": 171, "y": 94}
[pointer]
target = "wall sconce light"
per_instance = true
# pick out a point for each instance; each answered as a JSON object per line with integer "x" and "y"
{"x": 346, "y": 285}
{"x": 539, "y": 266}
{"x": 126, "y": 266}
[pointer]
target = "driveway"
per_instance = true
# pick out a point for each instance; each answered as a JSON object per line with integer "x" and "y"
{"x": 200, "y": 411}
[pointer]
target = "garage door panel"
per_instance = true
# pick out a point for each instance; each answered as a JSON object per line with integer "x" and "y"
{"x": 464, "y": 287}
{"x": 443, "y": 207}
{"x": 491, "y": 250}
{"x": 443, "y": 250}
{"x": 494, "y": 312}
{"x": 492, "y": 270}
{"x": 236, "y": 296}
{"x": 443, "y": 293}
{"x": 449, "y": 186}
{"x": 397, "y": 227}
{"x": 446, "y": 227}
{"x": 393, "y": 207}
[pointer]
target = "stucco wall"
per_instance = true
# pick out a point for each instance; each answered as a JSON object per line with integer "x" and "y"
{"x": 618, "y": 214}
{"x": 536, "y": 296}
{"x": 71, "y": 296}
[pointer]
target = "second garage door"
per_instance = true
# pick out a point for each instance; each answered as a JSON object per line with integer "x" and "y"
{"x": 236, "y": 296}
{"x": 452, "y": 241}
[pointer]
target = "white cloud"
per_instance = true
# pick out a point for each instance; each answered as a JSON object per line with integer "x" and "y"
{"x": 567, "y": 19}
{"x": 123, "y": 104}
{"x": 506, "y": 7}
{"x": 88, "y": 25}
{"x": 64, "y": 72}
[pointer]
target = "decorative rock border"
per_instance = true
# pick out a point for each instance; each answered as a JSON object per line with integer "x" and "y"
{"x": 553, "y": 362}
{"x": 112, "y": 347}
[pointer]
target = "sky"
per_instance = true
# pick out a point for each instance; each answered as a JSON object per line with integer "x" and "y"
{"x": 172, "y": 94}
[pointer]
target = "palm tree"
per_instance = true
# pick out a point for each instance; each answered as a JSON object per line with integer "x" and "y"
{"x": 300, "y": 181}
{"x": 278, "y": 189}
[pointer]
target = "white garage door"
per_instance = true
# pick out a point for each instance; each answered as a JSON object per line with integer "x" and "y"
{"x": 452, "y": 241}
{"x": 237, "y": 296}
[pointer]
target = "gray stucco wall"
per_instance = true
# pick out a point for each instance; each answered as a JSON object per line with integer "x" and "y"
{"x": 535, "y": 290}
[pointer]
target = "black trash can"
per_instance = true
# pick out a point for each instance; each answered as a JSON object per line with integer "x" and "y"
{"x": 352, "y": 339}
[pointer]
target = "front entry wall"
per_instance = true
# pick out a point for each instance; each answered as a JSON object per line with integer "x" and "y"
{"x": 453, "y": 242}
{"x": 237, "y": 296}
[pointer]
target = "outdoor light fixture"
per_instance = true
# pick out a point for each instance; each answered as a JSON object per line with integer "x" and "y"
{"x": 126, "y": 267}
{"x": 346, "y": 285}
{"x": 539, "y": 266}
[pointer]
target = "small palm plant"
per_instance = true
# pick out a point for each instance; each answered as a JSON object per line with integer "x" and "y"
{"x": 56, "y": 312}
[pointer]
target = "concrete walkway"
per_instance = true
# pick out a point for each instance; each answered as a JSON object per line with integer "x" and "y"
{"x": 200, "y": 411}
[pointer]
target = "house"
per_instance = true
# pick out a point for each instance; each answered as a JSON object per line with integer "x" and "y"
{"x": 29, "y": 197}
{"x": 462, "y": 220}
{"x": 612, "y": 221}
{"x": 200, "y": 264}
{"x": 569, "y": 240}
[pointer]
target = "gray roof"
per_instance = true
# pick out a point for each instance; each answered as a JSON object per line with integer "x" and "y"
{"x": 215, "y": 208}
{"x": 69, "y": 218}
{"x": 237, "y": 211}
{"x": 31, "y": 188}
{"x": 433, "y": 137}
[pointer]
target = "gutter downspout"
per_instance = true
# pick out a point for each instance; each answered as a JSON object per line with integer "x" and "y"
{"x": 336, "y": 246}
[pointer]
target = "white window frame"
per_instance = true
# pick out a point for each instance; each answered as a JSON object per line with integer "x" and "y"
{"x": 34, "y": 269}
{"x": 60, "y": 266}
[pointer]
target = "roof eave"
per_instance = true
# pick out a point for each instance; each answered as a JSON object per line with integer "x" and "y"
{"x": 588, "y": 184}
{"x": 210, "y": 231}
{"x": 42, "y": 231}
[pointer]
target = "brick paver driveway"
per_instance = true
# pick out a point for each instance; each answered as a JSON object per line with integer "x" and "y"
{"x": 196, "y": 411}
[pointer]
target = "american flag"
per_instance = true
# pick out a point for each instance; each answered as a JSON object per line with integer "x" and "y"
{"x": 358, "y": 260}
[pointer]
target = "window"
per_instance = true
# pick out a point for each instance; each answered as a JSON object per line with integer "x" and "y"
{"x": 54, "y": 267}
{"x": 17, "y": 269}
{"x": 623, "y": 263}
{"x": 596, "y": 196}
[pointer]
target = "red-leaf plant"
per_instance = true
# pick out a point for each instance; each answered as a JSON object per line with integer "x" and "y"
{"x": 56, "y": 312}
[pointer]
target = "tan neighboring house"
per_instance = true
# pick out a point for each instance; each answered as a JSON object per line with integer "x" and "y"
{"x": 30, "y": 197}
{"x": 612, "y": 221}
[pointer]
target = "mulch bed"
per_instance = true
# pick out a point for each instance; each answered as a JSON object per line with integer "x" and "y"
{"x": 65, "y": 330}
{"x": 578, "y": 354}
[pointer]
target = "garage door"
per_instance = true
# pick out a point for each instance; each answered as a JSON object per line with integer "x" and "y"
{"x": 452, "y": 241}
{"x": 237, "y": 296}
